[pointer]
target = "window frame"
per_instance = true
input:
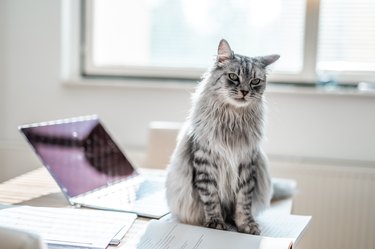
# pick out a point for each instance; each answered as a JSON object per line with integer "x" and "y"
{"x": 308, "y": 74}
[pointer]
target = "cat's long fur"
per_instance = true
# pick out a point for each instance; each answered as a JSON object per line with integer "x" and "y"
{"x": 218, "y": 171}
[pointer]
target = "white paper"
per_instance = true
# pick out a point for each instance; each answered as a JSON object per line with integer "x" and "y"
{"x": 271, "y": 225}
{"x": 283, "y": 226}
{"x": 67, "y": 226}
{"x": 160, "y": 235}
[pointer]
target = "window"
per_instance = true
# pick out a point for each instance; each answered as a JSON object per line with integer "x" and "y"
{"x": 347, "y": 37}
{"x": 179, "y": 38}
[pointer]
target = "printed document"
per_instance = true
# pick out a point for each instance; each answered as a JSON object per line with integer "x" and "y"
{"x": 160, "y": 235}
{"x": 68, "y": 226}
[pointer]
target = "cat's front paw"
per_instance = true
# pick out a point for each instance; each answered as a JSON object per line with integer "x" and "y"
{"x": 251, "y": 228}
{"x": 217, "y": 224}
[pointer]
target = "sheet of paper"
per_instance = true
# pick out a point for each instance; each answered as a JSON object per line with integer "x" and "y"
{"x": 283, "y": 226}
{"x": 161, "y": 235}
{"x": 68, "y": 226}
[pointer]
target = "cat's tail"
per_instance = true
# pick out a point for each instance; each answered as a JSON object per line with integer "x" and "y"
{"x": 283, "y": 188}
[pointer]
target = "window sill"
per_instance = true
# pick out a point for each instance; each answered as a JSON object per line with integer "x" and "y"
{"x": 189, "y": 85}
{"x": 151, "y": 84}
{"x": 335, "y": 90}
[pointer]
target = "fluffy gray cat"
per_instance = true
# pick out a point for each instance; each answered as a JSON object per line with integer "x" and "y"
{"x": 218, "y": 172}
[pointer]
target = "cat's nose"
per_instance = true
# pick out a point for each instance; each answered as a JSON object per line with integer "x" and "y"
{"x": 244, "y": 93}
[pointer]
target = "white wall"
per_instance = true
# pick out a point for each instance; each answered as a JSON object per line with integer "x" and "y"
{"x": 334, "y": 125}
{"x": 325, "y": 125}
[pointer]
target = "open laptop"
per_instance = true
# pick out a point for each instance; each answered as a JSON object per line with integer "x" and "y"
{"x": 91, "y": 170}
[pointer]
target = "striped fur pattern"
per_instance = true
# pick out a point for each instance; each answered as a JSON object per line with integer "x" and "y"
{"x": 218, "y": 172}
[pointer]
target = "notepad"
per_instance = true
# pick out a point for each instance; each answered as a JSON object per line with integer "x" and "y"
{"x": 68, "y": 226}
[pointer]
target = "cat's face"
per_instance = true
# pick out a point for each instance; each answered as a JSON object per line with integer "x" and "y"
{"x": 241, "y": 79}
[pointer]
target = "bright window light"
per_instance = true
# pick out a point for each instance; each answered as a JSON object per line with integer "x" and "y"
{"x": 347, "y": 35}
{"x": 317, "y": 39}
{"x": 185, "y": 33}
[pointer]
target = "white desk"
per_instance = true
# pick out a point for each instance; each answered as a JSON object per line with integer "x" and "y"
{"x": 37, "y": 188}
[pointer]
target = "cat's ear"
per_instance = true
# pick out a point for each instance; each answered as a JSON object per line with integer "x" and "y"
{"x": 269, "y": 59}
{"x": 224, "y": 52}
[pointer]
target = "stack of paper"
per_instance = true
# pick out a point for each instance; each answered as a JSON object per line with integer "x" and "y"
{"x": 67, "y": 226}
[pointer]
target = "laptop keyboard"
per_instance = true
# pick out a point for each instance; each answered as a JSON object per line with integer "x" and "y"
{"x": 130, "y": 191}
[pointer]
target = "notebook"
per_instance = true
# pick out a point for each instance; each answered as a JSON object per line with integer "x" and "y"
{"x": 91, "y": 170}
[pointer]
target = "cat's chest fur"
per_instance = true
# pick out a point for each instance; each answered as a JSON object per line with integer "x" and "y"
{"x": 232, "y": 137}
{"x": 232, "y": 132}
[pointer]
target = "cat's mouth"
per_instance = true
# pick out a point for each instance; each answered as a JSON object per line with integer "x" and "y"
{"x": 241, "y": 100}
{"x": 238, "y": 101}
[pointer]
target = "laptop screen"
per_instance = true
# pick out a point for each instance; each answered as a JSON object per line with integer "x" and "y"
{"x": 78, "y": 153}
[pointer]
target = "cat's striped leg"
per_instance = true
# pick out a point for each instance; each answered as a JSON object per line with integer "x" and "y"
{"x": 246, "y": 183}
{"x": 206, "y": 186}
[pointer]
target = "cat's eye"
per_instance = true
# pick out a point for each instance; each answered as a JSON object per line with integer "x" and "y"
{"x": 255, "y": 81}
{"x": 233, "y": 77}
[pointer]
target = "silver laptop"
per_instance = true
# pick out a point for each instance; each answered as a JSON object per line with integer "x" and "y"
{"x": 91, "y": 170}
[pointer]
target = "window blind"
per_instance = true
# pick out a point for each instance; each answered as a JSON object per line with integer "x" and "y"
{"x": 346, "y": 35}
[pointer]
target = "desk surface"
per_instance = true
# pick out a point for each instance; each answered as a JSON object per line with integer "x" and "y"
{"x": 37, "y": 188}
